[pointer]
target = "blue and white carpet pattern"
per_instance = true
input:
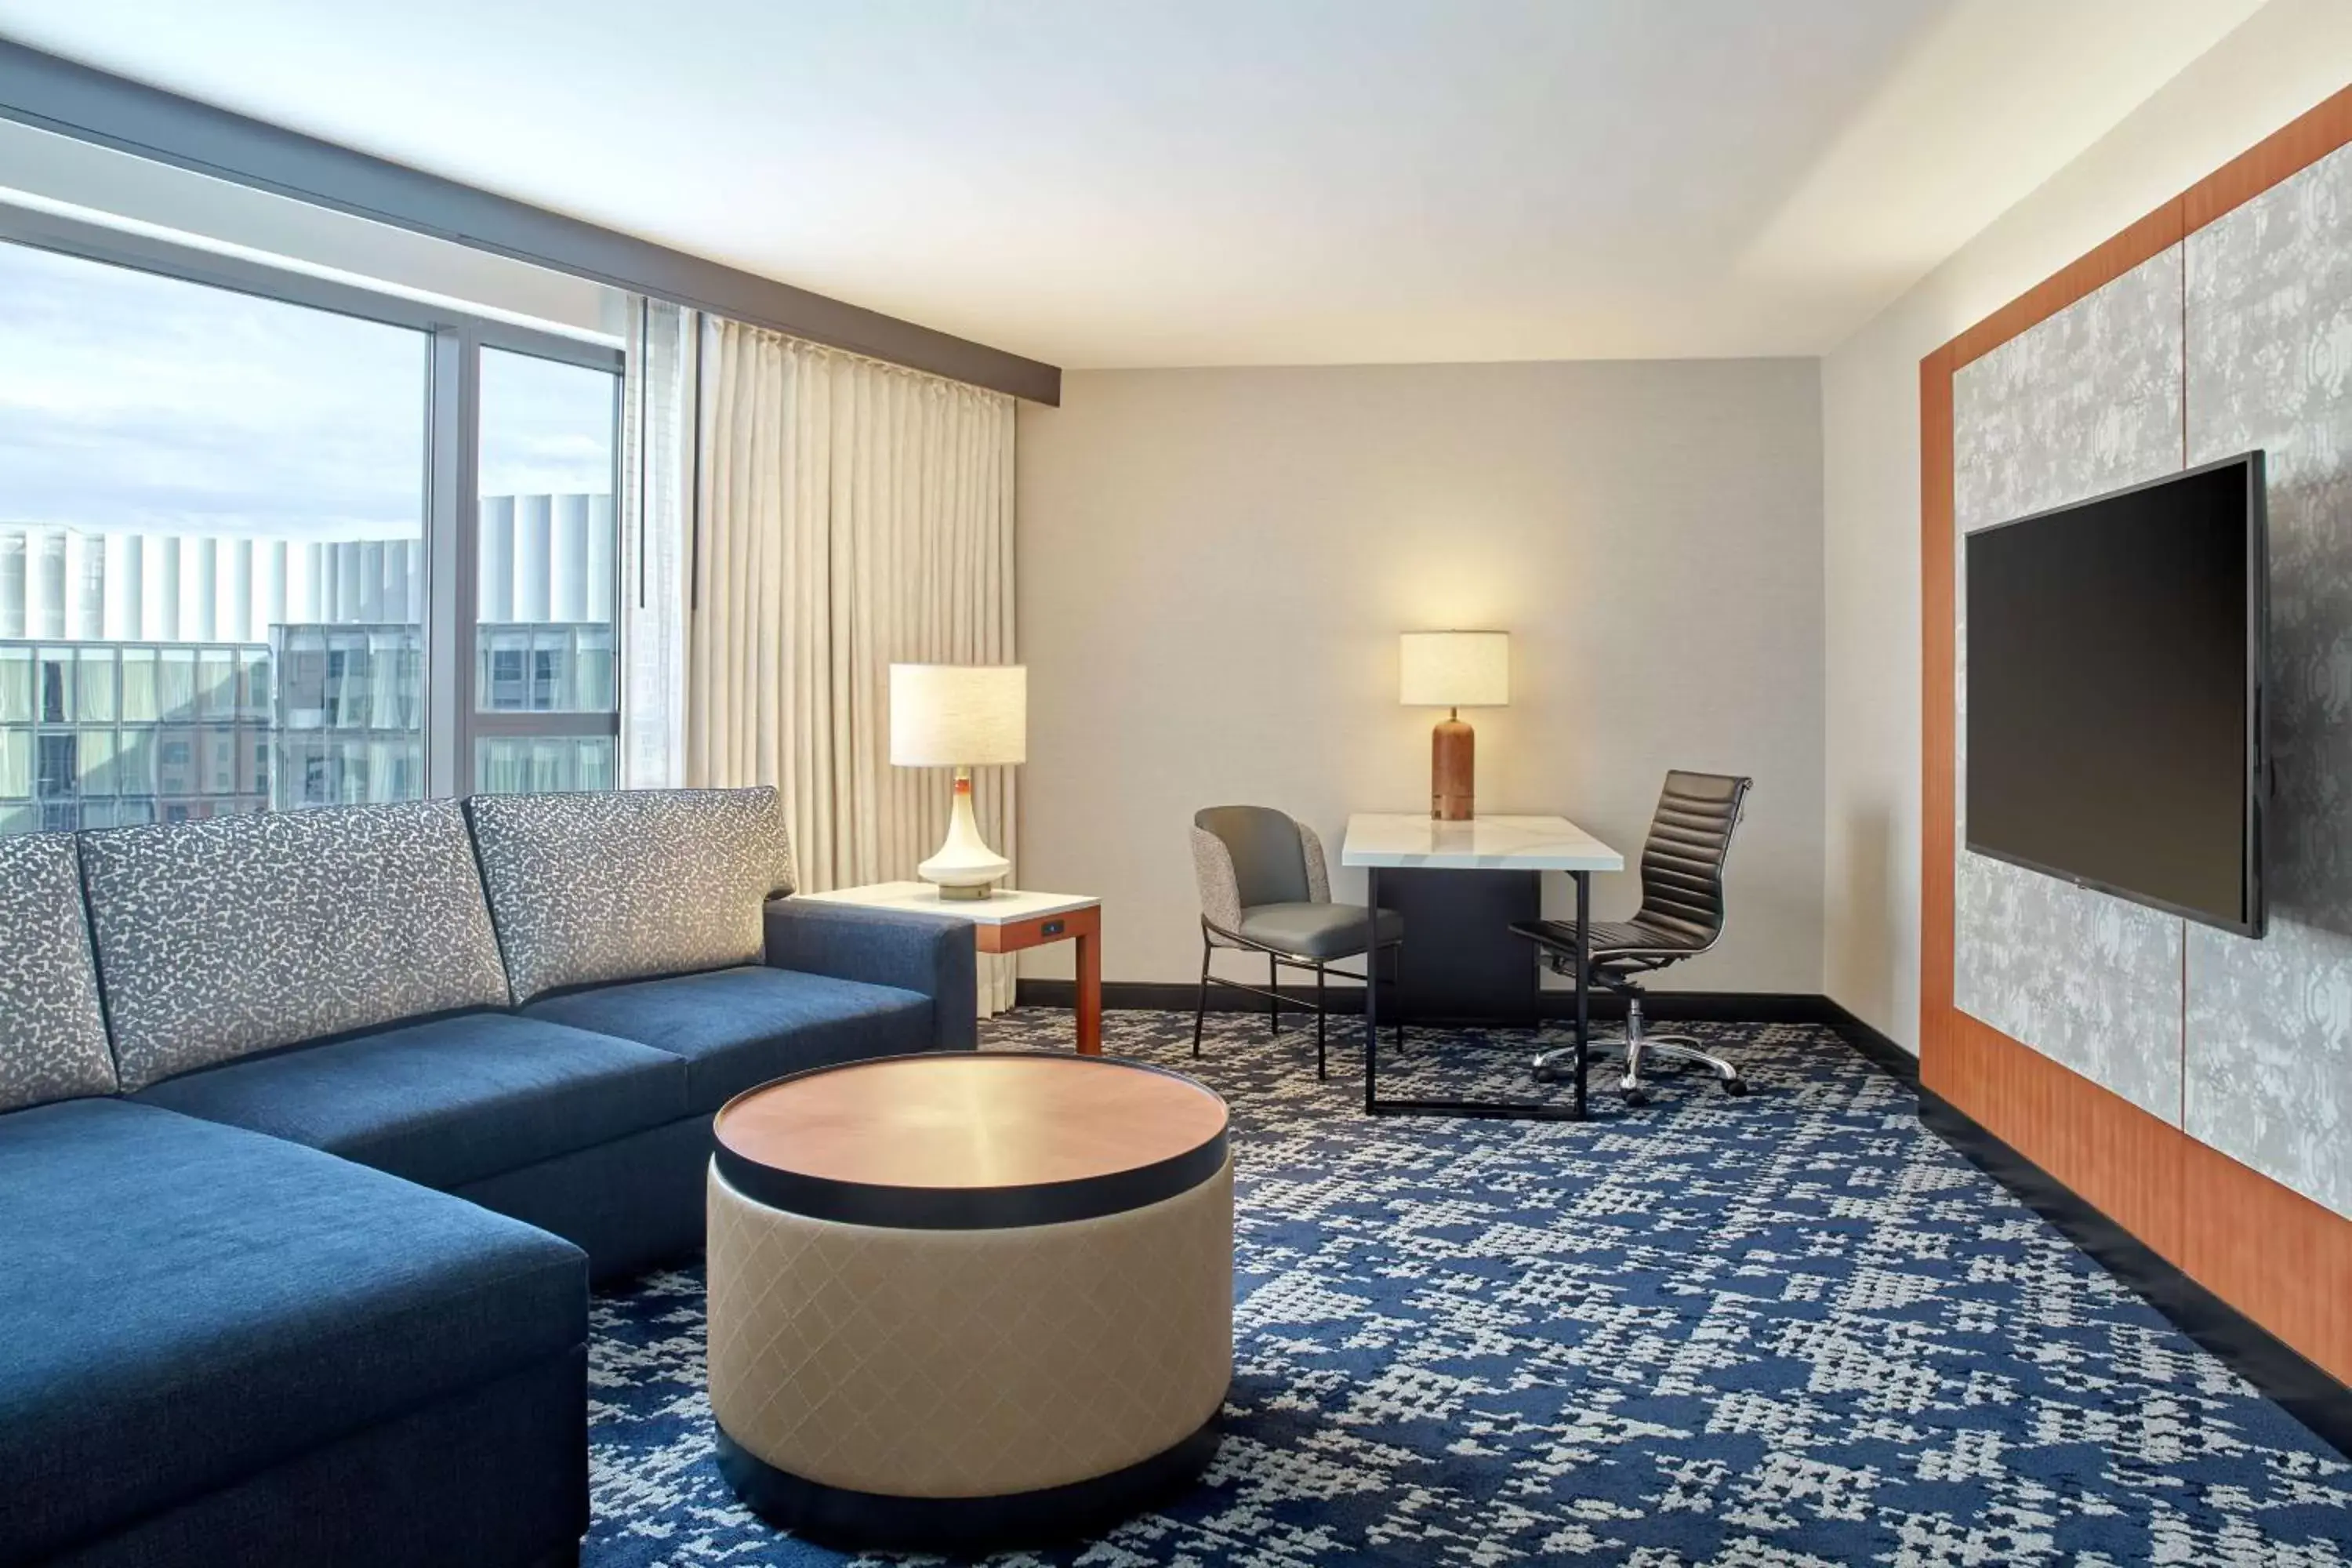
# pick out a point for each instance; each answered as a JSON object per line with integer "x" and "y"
{"x": 1790, "y": 1328}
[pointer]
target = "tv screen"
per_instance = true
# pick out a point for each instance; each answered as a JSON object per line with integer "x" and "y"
{"x": 2116, "y": 651}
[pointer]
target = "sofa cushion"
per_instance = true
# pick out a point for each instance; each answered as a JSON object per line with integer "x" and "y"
{"x": 445, "y": 1102}
{"x": 220, "y": 938}
{"x": 739, "y": 1027}
{"x": 188, "y": 1303}
{"x": 52, "y": 1036}
{"x": 590, "y": 888}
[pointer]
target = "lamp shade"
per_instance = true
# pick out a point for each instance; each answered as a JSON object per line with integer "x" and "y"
{"x": 958, "y": 715}
{"x": 1454, "y": 670}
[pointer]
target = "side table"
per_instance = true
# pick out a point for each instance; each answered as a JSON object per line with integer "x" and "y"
{"x": 1010, "y": 922}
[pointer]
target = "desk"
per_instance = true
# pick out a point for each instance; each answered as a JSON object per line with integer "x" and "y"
{"x": 1009, "y": 921}
{"x": 1381, "y": 841}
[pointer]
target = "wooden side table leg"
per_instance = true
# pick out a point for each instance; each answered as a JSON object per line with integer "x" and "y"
{"x": 1089, "y": 943}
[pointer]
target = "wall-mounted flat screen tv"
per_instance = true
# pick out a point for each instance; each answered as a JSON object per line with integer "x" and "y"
{"x": 2115, "y": 655}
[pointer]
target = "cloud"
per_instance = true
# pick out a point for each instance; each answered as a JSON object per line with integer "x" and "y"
{"x": 135, "y": 402}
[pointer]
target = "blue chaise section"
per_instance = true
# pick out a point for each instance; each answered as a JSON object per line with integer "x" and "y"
{"x": 198, "y": 1316}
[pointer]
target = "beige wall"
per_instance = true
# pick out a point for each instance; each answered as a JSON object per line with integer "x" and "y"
{"x": 2291, "y": 55}
{"x": 1214, "y": 565}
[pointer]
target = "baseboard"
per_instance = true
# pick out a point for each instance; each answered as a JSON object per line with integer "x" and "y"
{"x": 1679, "y": 1006}
{"x": 2305, "y": 1391}
{"x": 1889, "y": 1057}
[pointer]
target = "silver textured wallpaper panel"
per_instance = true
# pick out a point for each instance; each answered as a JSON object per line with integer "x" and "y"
{"x": 2269, "y": 1023}
{"x": 2085, "y": 401}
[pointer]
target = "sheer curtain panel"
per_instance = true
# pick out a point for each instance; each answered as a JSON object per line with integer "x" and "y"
{"x": 850, "y": 515}
{"x": 656, "y": 510}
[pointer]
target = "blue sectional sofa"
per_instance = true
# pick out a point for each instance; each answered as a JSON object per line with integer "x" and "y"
{"x": 315, "y": 1128}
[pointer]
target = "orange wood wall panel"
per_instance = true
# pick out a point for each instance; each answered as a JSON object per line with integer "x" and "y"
{"x": 2274, "y": 1255}
{"x": 2094, "y": 270}
{"x": 2282, "y": 1260}
{"x": 2283, "y": 152}
{"x": 1937, "y": 802}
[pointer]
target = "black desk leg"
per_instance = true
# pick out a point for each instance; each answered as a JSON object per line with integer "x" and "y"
{"x": 1583, "y": 989}
{"x": 1372, "y": 985}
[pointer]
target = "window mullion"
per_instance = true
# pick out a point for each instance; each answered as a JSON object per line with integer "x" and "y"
{"x": 451, "y": 590}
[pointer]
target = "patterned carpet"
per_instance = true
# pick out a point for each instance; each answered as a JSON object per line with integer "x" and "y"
{"x": 1793, "y": 1328}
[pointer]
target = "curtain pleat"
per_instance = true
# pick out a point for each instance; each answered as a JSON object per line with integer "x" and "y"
{"x": 851, "y": 515}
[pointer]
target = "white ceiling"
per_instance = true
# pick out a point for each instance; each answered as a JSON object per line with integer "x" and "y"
{"x": 1226, "y": 181}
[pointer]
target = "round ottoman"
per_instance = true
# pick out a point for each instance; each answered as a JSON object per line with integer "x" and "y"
{"x": 968, "y": 1299}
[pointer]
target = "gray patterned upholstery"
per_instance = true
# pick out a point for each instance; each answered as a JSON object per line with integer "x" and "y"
{"x": 52, "y": 1036}
{"x": 1220, "y": 893}
{"x": 1318, "y": 871}
{"x": 591, "y": 889}
{"x": 222, "y": 938}
{"x": 1251, "y": 856}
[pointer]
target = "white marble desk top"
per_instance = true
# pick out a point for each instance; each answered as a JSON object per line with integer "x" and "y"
{"x": 1483, "y": 844}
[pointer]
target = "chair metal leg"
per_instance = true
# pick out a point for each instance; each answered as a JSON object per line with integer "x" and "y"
{"x": 1322, "y": 1059}
{"x": 1273, "y": 991}
{"x": 1691, "y": 1048}
{"x": 1636, "y": 1044}
{"x": 1200, "y": 1008}
{"x": 1396, "y": 987}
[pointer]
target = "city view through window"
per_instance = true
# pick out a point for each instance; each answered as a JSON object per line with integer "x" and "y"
{"x": 213, "y": 568}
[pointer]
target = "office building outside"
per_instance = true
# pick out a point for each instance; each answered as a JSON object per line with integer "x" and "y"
{"x": 161, "y": 678}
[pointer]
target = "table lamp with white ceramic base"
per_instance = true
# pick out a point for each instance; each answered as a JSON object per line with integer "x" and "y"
{"x": 959, "y": 716}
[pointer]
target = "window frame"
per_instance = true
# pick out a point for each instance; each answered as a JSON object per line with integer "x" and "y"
{"x": 455, "y": 339}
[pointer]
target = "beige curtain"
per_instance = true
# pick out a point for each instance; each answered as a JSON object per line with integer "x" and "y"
{"x": 851, "y": 515}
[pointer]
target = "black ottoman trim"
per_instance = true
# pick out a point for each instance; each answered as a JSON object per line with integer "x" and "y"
{"x": 833, "y": 1516}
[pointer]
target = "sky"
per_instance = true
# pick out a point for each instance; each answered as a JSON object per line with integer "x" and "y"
{"x": 135, "y": 402}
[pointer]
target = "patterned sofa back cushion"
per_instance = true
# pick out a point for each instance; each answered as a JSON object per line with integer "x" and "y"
{"x": 222, "y": 938}
{"x": 52, "y": 1035}
{"x": 591, "y": 889}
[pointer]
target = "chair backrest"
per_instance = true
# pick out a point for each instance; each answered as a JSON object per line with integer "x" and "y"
{"x": 607, "y": 885}
{"x": 53, "y": 1042}
{"x": 223, "y": 937}
{"x": 1681, "y": 864}
{"x": 1269, "y": 856}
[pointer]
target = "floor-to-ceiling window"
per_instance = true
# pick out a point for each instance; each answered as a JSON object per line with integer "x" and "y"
{"x": 546, "y": 687}
{"x": 269, "y": 541}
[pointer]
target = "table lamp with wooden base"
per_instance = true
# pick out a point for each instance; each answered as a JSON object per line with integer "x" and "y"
{"x": 959, "y": 716}
{"x": 1454, "y": 671}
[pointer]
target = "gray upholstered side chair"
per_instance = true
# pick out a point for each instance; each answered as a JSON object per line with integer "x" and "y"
{"x": 1265, "y": 889}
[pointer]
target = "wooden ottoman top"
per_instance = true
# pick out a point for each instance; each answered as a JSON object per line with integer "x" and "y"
{"x": 970, "y": 1140}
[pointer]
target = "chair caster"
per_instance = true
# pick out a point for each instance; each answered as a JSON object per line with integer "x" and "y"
{"x": 1635, "y": 1094}
{"x": 1735, "y": 1086}
{"x": 1544, "y": 1072}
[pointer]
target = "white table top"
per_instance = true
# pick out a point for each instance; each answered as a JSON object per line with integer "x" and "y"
{"x": 1001, "y": 907}
{"x": 1416, "y": 839}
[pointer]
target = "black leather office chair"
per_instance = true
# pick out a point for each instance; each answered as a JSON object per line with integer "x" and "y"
{"x": 1681, "y": 917}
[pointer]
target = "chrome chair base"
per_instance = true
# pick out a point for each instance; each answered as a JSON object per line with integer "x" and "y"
{"x": 1635, "y": 1045}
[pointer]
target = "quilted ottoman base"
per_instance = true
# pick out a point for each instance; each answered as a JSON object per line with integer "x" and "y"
{"x": 953, "y": 1388}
